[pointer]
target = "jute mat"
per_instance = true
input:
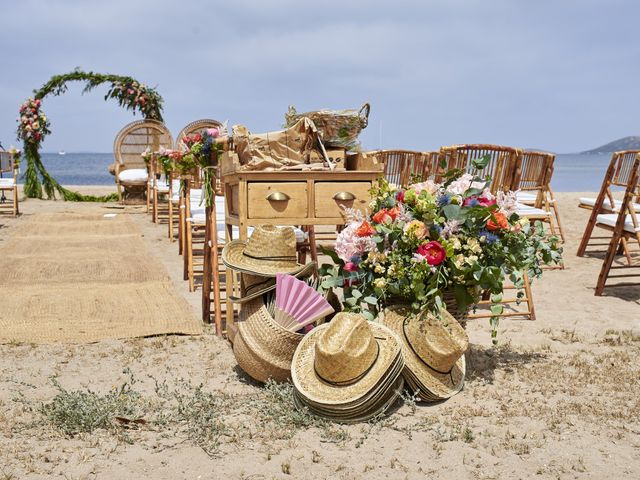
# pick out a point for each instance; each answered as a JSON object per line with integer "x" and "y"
{"x": 83, "y": 278}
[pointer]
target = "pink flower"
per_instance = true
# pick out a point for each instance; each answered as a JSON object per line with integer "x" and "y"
{"x": 486, "y": 202}
{"x": 350, "y": 267}
{"x": 214, "y": 132}
{"x": 349, "y": 244}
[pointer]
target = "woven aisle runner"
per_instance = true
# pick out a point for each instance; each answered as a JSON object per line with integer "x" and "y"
{"x": 78, "y": 278}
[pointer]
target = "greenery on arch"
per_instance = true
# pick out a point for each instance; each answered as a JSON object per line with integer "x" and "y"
{"x": 33, "y": 124}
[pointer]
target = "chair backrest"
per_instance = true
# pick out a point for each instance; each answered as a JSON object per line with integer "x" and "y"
{"x": 623, "y": 162}
{"x": 535, "y": 171}
{"x": 6, "y": 162}
{"x": 136, "y": 137}
{"x": 503, "y": 166}
{"x": 400, "y": 164}
{"x": 197, "y": 126}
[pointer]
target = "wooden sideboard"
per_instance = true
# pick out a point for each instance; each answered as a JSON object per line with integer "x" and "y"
{"x": 290, "y": 198}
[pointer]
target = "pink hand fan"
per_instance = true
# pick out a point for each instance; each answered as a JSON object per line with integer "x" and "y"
{"x": 297, "y": 304}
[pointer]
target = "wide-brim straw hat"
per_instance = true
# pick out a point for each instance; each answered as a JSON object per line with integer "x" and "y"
{"x": 268, "y": 251}
{"x": 262, "y": 347}
{"x": 258, "y": 285}
{"x": 378, "y": 377}
{"x": 427, "y": 381}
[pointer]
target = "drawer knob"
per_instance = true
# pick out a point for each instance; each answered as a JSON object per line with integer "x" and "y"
{"x": 278, "y": 197}
{"x": 344, "y": 196}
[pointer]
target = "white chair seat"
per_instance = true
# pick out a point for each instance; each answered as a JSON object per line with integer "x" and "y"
{"x": 526, "y": 197}
{"x": 7, "y": 182}
{"x": 529, "y": 211}
{"x": 610, "y": 220}
{"x": 590, "y": 202}
{"x": 133, "y": 175}
{"x": 162, "y": 188}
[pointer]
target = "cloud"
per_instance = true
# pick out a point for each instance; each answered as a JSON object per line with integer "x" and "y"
{"x": 546, "y": 74}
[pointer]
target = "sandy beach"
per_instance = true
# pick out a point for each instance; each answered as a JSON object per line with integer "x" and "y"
{"x": 558, "y": 398}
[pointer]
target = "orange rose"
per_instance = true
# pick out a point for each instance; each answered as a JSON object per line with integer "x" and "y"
{"x": 365, "y": 230}
{"x": 498, "y": 221}
{"x": 394, "y": 212}
{"x": 381, "y": 216}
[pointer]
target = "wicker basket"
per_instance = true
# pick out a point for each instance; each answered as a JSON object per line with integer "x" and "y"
{"x": 338, "y": 128}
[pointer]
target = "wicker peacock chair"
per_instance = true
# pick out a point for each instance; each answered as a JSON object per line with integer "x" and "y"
{"x": 130, "y": 171}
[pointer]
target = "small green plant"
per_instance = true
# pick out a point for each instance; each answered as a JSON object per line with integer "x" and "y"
{"x": 74, "y": 412}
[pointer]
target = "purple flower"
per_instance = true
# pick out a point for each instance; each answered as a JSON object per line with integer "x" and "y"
{"x": 489, "y": 237}
{"x": 444, "y": 199}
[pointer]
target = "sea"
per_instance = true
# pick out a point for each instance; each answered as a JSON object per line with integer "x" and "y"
{"x": 572, "y": 172}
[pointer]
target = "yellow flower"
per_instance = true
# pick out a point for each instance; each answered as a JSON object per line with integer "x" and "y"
{"x": 379, "y": 283}
{"x": 416, "y": 229}
{"x": 459, "y": 260}
{"x": 379, "y": 269}
{"x": 455, "y": 243}
{"x": 474, "y": 245}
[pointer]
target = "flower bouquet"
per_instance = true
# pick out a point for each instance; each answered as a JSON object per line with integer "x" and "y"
{"x": 33, "y": 124}
{"x": 436, "y": 245}
{"x": 202, "y": 151}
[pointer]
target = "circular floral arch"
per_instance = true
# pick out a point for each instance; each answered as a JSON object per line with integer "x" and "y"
{"x": 33, "y": 124}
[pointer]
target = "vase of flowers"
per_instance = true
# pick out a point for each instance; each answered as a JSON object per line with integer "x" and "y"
{"x": 436, "y": 245}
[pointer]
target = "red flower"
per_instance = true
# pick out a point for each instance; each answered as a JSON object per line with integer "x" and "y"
{"x": 197, "y": 137}
{"x": 382, "y": 216}
{"x": 433, "y": 252}
{"x": 497, "y": 222}
{"x": 394, "y": 212}
{"x": 400, "y": 196}
{"x": 365, "y": 230}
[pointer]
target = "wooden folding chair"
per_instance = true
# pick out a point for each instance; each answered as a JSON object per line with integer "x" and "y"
{"x": 197, "y": 126}
{"x": 131, "y": 174}
{"x": 625, "y": 225}
{"x": 8, "y": 183}
{"x": 534, "y": 187}
{"x": 617, "y": 175}
{"x": 504, "y": 169}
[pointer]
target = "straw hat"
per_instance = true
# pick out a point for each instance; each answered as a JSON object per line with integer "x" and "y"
{"x": 268, "y": 251}
{"x": 433, "y": 351}
{"x": 262, "y": 347}
{"x": 257, "y": 285}
{"x": 347, "y": 370}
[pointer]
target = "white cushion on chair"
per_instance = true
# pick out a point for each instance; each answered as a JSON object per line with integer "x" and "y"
{"x": 133, "y": 175}
{"x": 529, "y": 211}
{"x": 7, "y": 182}
{"x": 590, "y": 202}
{"x": 610, "y": 220}
{"x": 526, "y": 197}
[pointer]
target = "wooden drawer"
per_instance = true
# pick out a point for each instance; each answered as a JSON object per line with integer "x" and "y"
{"x": 330, "y": 196}
{"x": 263, "y": 201}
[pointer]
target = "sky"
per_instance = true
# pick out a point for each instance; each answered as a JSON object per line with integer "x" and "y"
{"x": 561, "y": 75}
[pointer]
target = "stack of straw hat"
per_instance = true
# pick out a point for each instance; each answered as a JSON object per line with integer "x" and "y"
{"x": 348, "y": 370}
{"x": 262, "y": 347}
{"x": 433, "y": 350}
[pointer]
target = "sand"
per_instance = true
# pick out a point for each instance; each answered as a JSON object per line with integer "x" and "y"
{"x": 558, "y": 398}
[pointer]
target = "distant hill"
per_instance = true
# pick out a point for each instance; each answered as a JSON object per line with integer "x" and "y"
{"x": 626, "y": 143}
